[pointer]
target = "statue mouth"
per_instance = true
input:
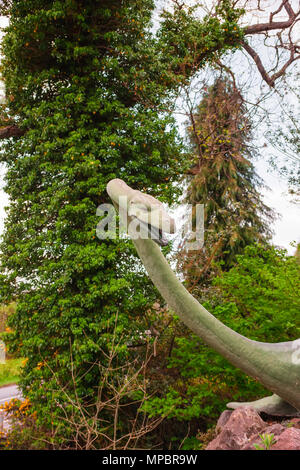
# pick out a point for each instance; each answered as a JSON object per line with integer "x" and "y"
{"x": 154, "y": 233}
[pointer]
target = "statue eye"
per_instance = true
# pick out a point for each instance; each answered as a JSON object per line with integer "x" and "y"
{"x": 141, "y": 207}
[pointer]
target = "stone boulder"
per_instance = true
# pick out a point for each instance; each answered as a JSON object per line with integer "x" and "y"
{"x": 239, "y": 427}
{"x": 288, "y": 440}
{"x": 275, "y": 429}
{"x": 241, "y": 430}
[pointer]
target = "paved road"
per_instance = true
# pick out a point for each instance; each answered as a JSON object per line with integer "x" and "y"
{"x": 9, "y": 392}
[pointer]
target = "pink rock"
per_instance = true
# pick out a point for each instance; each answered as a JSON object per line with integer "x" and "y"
{"x": 288, "y": 440}
{"x": 240, "y": 427}
{"x": 275, "y": 429}
{"x": 224, "y": 417}
{"x": 295, "y": 422}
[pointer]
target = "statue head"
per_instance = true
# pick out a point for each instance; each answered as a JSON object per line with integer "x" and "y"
{"x": 141, "y": 210}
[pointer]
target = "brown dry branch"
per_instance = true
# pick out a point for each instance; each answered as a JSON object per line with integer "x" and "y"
{"x": 96, "y": 425}
{"x": 281, "y": 27}
{"x": 11, "y": 131}
{"x": 271, "y": 24}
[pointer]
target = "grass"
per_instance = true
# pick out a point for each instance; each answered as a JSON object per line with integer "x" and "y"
{"x": 9, "y": 372}
{"x": 5, "y": 311}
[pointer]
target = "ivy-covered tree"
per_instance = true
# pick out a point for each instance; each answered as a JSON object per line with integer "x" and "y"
{"x": 88, "y": 91}
{"x": 223, "y": 178}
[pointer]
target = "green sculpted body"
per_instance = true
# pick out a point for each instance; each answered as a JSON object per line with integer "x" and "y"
{"x": 276, "y": 366}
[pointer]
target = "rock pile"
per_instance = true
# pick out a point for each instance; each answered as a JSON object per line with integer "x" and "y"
{"x": 242, "y": 428}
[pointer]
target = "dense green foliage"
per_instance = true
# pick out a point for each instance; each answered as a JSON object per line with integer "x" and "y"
{"x": 223, "y": 178}
{"x": 265, "y": 285}
{"x": 258, "y": 298}
{"x": 91, "y": 90}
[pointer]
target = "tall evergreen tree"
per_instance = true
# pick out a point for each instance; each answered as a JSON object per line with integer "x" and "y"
{"x": 223, "y": 178}
{"x": 88, "y": 89}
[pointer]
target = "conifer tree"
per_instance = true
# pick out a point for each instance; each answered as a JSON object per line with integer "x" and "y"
{"x": 223, "y": 178}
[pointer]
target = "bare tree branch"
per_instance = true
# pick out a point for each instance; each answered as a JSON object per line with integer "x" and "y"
{"x": 290, "y": 45}
{"x": 263, "y": 27}
{"x": 11, "y": 131}
{"x": 259, "y": 64}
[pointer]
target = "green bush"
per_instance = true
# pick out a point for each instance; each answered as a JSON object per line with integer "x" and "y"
{"x": 265, "y": 286}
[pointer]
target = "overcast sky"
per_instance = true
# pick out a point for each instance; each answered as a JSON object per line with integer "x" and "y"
{"x": 286, "y": 228}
